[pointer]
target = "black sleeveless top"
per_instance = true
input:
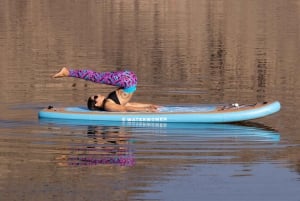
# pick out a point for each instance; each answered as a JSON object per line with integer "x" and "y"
{"x": 112, "y": 96}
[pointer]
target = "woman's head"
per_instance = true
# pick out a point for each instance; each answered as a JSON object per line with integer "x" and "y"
{"x": 95, "y": 102}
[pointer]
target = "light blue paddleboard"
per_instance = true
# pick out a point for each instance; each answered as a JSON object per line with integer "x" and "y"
{"x": 167, "y": 114}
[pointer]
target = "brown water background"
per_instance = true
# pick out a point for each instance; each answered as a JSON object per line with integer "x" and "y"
{"x": 184, "y": 52}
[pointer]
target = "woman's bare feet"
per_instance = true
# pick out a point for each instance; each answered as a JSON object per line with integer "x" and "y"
{"x": 64, "y": 72}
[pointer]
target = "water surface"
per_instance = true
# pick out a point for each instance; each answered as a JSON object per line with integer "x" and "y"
{"x": 184, "y": 52}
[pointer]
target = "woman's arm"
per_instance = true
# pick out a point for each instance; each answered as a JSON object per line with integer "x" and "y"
{"x": 130, "y": 107}
{"x": 142, "y": 105}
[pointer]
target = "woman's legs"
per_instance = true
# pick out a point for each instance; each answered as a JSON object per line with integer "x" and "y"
{"x": 122, "y": 79}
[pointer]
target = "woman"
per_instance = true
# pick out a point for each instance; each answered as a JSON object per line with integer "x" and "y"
{"x": 116, "y": 101}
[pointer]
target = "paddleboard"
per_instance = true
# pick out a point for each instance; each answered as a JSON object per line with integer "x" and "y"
{"x": 219, "y": 113}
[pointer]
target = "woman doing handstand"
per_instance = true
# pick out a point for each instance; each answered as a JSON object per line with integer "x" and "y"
{"x": 116, "y": 101}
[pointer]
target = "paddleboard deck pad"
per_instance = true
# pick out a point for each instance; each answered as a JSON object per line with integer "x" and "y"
{"x": 219, "y": 113}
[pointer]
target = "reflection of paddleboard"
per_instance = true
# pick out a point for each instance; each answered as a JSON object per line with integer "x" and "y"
{"x": 180, "y": 114}
{"x": 254, "y": 132}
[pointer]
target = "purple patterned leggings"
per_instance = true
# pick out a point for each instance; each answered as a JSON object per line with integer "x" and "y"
{"x": 122, "y": 79}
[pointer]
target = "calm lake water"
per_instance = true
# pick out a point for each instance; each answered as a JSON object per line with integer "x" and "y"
{"x": 184, "y": 52}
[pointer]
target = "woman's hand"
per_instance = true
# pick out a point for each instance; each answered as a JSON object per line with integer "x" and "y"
{"x": 152, "y": 108}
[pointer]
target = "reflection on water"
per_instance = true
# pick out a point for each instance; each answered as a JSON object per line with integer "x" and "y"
{"x": 113, "y": 142}
{"x": 184, "y": 52}
{"x": 104, "y": 145}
